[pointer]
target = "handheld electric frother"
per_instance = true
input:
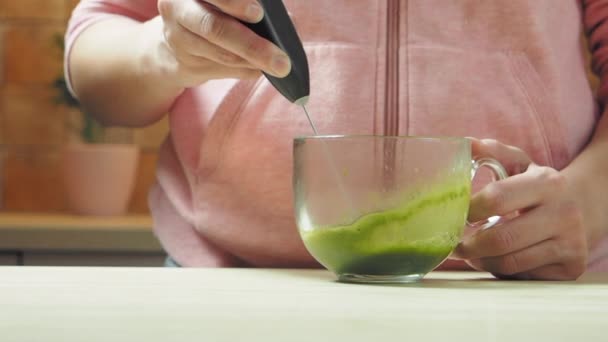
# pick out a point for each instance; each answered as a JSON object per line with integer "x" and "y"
{"x": 277, "y": 27}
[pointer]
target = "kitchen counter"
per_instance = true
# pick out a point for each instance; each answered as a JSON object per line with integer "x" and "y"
{"x": 55, "y": 239}
{"x": 156, "y": 304}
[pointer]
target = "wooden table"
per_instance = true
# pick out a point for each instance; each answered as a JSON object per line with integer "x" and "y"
{"x": 156, "y": 304}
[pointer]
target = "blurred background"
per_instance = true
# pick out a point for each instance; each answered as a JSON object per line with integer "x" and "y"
{"x": 42, "y": 130}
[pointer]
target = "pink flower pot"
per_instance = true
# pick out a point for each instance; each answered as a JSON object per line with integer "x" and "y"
{"x": 99, "y": 178}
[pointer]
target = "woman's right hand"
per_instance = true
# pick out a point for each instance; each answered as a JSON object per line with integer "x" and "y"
{"x": 204, "y": 40}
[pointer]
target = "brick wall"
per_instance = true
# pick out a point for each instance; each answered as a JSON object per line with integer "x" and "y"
{"x": 33, "y": 128}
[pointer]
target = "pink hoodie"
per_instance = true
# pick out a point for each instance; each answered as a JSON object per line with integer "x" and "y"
{"x": 512, "y": 70}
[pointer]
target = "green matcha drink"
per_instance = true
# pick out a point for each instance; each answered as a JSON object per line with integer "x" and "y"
{"x": 411, "y": 239}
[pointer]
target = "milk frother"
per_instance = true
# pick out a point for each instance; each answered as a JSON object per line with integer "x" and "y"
{"x": 277, "y": 27}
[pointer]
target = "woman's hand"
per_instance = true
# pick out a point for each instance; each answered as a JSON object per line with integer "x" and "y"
{"x": 203, "y": 40}
{"x": 546, "y": 239}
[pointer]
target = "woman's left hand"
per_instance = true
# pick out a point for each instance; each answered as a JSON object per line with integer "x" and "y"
{"x": 546, "y": 240}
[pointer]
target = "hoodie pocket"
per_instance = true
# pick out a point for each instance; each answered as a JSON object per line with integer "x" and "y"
{"x": 544, "y": 109}
{"x": 244, "y": 179}
{"x": 255, "y": 122}
{"x": 495, "y": 95}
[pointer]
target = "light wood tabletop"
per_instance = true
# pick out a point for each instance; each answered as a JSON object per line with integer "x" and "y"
{"x": 165, "y": 304}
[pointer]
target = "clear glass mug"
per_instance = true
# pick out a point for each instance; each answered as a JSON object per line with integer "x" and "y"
{"x": 383, "y": 209}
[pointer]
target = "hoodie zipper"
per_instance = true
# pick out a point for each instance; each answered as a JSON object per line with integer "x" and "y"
{"x": 391, "y": 110}
{"x": 391, "y": 106}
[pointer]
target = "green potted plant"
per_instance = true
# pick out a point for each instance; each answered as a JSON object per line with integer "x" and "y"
{"x": 99, "y": 172}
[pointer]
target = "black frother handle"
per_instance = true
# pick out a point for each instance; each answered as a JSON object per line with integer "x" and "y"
{"x": 278, "y": 28}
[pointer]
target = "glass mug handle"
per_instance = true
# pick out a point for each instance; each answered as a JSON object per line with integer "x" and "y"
{"x": 499, "y": 173}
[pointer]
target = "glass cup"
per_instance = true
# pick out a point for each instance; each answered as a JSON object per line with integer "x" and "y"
{"x": 384, "y": 209}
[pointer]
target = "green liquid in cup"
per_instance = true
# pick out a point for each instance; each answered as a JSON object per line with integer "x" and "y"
{"x": 411, "y": 239}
